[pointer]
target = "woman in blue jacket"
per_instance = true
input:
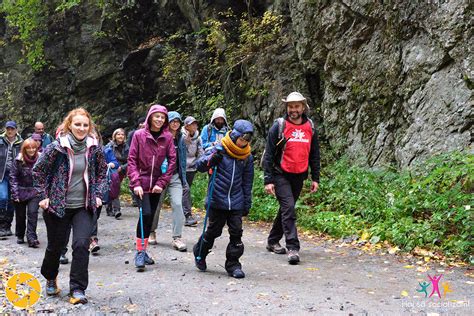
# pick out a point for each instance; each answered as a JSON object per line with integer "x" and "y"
{"x": 232, "y": 195}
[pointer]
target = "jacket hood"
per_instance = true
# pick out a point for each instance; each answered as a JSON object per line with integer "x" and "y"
{"x": 154, "y": 109}
{"x": 18, "y": 138}
{"x": 219, "y": 112}
{"x": 185, "y": 133}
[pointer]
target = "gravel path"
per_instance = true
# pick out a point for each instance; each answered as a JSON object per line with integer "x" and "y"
{"x": 330, "y": 279}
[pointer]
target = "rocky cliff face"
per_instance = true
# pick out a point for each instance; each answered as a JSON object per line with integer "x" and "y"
{"x": 388, "y": 81}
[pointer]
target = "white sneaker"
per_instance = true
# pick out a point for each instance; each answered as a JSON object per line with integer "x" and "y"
{"x": 152, "y": 239}
{"x": 178, "y": 244}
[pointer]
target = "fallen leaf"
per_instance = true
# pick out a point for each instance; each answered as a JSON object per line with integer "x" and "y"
{"x": 312, "y": 269}
{"x": 404, "y": 293}
{"x": 393, "y": 250}
{"x": 365, "y": 235}
{"x": 408, "y": 267}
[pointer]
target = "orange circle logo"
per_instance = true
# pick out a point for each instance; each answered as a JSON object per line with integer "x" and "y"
{"x": 23, "y": 290}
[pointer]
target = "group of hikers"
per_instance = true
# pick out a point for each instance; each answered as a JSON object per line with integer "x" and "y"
{"x": 71, "y": 176}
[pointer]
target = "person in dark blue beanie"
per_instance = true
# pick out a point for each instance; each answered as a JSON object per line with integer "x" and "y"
{"x": 232, "y": 161}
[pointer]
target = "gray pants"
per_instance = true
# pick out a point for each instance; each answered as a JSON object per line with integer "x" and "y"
{"x": 175, "y": 191}
{"x": 187, "y": 202}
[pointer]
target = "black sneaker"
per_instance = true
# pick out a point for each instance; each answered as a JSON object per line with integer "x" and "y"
{"x": 276, "y": 248}
{"x": 237, "y": 273}
{"x": 63, "y": 259}
{"x": 109, "y": 210}
{"x": 140, "y": 261}
{"x": 293, "y": 257}
{"x": 20, "y": 240}
{"x": 148, "y": 259}
{"x": 118, "y": 214}
{"x": 78, "y": 297}
{"x": 190, "y": 221}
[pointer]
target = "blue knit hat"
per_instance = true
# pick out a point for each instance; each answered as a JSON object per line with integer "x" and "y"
{"x": 241, "y": 128}
{"x": 173, "y": 115}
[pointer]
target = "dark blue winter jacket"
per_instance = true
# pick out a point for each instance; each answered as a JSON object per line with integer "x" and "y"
{"x": 233, "y": 181}
{"x": 181, "y": 151}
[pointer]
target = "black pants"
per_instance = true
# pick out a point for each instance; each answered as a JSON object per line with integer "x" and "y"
{"x": 235, "y": 248}
{"x": 23, "y": 210}
{"x": 149, "y": 204}
{"x": 187, "y": 201}
{"x": 287, "y": 190}
{"x": 96, "y": 219}
{"x": 57, "y": 229}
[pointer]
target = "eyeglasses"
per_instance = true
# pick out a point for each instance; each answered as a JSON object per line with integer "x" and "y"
{"x": 246, "y": 136}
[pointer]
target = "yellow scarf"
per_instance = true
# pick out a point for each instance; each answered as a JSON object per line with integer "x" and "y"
{"x": 233, "y": 150}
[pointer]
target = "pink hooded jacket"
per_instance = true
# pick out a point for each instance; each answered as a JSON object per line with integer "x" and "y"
{"x": 146, "y": 155}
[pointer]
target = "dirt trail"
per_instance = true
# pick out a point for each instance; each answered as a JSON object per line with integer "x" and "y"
{"x": 329, "y": 280}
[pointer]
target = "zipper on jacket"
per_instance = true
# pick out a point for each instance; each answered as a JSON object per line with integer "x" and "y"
{"x": 231, "y": 184}
{"x": 151, "y": 177}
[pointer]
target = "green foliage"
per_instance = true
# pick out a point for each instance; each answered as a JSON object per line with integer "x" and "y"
{"x": 67, "y": 4}
{"x": 29, "y": 17}
{"x": 175, "y": 63}
{"x": 429, "y": 206}
{"x": 217, "y": 79}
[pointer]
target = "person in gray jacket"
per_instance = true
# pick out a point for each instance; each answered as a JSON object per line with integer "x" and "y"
{"x": 194, "y": 150}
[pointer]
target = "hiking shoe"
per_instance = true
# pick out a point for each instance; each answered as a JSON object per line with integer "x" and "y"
{"x": 148, "y": 259}
{"x": 293, "y": 257}
{"x": 178, "y": 244}
{"x": 152, "y": 239}
{"x": 200, "y": 262}
{"x": 33, "y": 243}
{"x": 140, "y": 261}
{"x": 20, "y": 240}
{"x": 94, "y": 246}
{"x": 190, "y": 221}
{"x": 276, "y": 248}
{"x": 109, "y": 210}
{"x": 63, "y": 259}
{"x": 78, "y": 297}
{"x": 237, "y": 273}
{"x": 52, "y": 287}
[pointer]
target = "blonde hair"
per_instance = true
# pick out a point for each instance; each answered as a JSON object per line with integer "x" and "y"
{"x": 66, "y": 124}
{"x": 119, "y": 130}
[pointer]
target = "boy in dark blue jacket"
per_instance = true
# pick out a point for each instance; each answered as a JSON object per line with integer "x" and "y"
{"x": 231, "y": 197}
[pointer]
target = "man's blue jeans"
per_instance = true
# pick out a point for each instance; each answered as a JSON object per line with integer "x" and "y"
{"x": 6, "y": 206}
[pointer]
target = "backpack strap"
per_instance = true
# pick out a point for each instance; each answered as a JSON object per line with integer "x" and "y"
{"x": 281, "y": 127}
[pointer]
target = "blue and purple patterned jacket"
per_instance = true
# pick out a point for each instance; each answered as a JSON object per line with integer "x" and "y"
{"x": 52, "y": 173}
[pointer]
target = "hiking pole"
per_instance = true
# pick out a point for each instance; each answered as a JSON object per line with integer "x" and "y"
{"x": 140, "y": 205}
{"x": 211, "y": 189}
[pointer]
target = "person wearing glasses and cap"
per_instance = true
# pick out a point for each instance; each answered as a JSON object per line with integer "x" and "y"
{"x": 292, "y": 147}
{"x": 231, "y": 198}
